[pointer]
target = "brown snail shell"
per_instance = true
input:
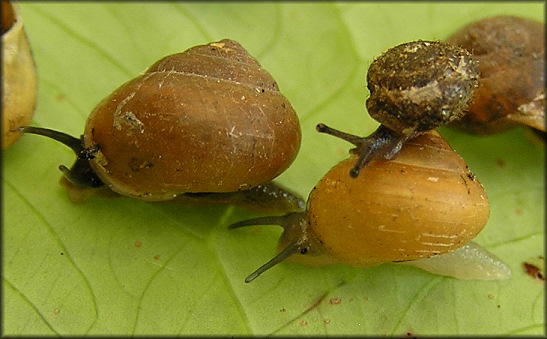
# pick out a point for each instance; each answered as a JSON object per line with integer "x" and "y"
{"x": 19, "y": 82}
{"x": 511, "y": 90}
{"x": 224, "y": 125}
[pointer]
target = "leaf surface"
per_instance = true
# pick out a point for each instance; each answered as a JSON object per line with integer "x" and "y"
{"x": 127, "y": 267}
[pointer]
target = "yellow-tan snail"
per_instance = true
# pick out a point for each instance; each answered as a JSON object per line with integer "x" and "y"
{"x": 511, "y": 90}
{"x": 19, "y": 82}
{"x": 414, "y": 87}
{"x": 198, "y": 124}
{"x": 421, "y": 208}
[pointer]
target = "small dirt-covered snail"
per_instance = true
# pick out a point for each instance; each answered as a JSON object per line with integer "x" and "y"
{"x": 414, "y": 87}
{"x": 421, "y": 208}
{"x": 208, "y": 120}
{"x": 511, "y": 90}
{"x": 19, "y": 83}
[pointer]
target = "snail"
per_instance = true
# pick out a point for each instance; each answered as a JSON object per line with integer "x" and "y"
{"x": 19, "y": 81}
{"x": 511, "y": 90}
{"x": 421, "y": 208}
{"x": 208, "y": 120}
{"x": 414, "y": 87}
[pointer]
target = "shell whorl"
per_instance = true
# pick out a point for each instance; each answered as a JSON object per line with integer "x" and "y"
{"x": 225, "y": 60}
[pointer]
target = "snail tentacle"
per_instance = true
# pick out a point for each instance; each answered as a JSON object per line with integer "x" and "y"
{"x": 282, "y": 256}
{"x": 81, "y": 172}
{"x": 75, "y": 144}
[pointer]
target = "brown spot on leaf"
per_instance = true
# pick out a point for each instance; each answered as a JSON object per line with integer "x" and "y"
{"x": 534, "y": 267}
{"x": 500, "y": 162}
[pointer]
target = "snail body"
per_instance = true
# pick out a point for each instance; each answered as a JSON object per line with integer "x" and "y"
{"x": 208, "y": 120}
{"x": 511, "y": 90}
{"x": 424, "y": 203}
{"x": 414, "y": 87}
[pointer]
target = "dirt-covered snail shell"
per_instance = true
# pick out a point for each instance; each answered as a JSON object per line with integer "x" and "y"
{"x": 424, "y": 204}
{"x": 208, "y": 120}
{"x": 414, "y": 87}
{"x": 19, "y": 83}
{"x": 511, "y": 91}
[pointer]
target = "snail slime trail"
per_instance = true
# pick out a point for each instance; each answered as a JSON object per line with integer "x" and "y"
{"x": 229, "y": 129}
{"x": 414, "y": 87}
{"x": 421, "y": 208}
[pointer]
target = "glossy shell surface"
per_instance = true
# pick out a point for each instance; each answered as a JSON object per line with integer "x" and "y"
{"x": 423, "y": 203}
{"x": 209, "y": 119}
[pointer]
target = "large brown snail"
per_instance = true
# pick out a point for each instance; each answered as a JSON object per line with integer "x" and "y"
{"x": 421, "y": 208}
{"x": 511, "y": 90}
{"x": 208, "y": 120}
{"x": 19, "y": 82}
{"x": 414, "y": 87}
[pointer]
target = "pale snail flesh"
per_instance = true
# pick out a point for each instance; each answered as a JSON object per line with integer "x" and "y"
{"x": 422, "y": 204}
{"x": 414, "y": 87}
{"x": 208, "y": 120}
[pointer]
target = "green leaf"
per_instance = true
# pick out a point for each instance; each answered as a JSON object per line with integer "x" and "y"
{"x": 127, "y": 267}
